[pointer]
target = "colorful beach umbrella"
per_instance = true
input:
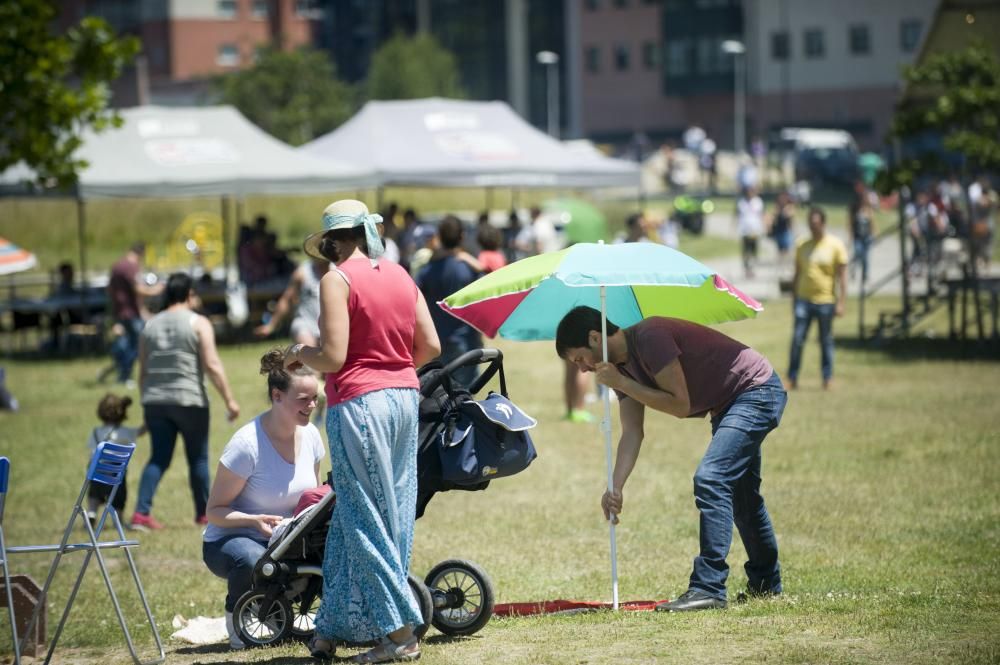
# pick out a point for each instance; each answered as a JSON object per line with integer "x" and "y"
{"x": 14, "y": 259}
{"x": 628, "y": 282}
{"x": 526, "y": 299}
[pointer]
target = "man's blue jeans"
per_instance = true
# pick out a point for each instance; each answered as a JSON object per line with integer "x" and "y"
{"x": 727, "y": 491}
{"x": 805, "y": 312}
{"x": 125, "y": 349}
{"x": 233, "y": 559}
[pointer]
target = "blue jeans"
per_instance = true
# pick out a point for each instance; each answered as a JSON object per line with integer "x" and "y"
{"x": 164, "y": 422}
{"x": 727, "y": 491}
{"x": 805, "y": 312}
{"x": 233, "y": 559}
{"x": 861, "y": 247}
{"x": 125, "y": 349}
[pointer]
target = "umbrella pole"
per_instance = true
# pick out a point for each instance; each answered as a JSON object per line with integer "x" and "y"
{"x": 606, "y": 428}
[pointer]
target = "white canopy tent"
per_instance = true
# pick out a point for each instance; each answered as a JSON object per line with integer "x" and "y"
{"x": 452, "y": 143}
{"x": 198, "y": 151}
{"x": 161, "y": 152}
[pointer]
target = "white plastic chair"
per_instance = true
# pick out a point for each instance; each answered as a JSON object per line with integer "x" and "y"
{"x": 108, "y": 466}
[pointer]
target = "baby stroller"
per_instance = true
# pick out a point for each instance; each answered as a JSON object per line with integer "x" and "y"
{"x": 456, "y": 596}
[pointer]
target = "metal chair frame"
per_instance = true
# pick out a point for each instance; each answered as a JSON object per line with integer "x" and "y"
{"x": 4, "y": 477}
{"x": 108, "y": 466}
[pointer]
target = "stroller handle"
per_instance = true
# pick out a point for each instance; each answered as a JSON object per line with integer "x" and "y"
{"x": 474, "y": 357}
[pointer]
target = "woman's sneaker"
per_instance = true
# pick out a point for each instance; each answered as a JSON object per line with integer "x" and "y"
{"x": 144, "y": 522}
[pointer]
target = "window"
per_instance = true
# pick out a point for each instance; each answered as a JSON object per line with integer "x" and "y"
{"x": 781, "y": 45}
{"x": 260, "y": 8}
{"x": 308, "y": 9}
{"x": 814, "y": 47}
{"x": 593, "y": 59}
{"x": 679, "y": 57}
{"x": 650, "y": 55}
{"x": 858, "y": 39}
{"x": 228, "y": 55}
{"x": 909, "y": 34}
{"x": 226, "y": 8}
{"x": 621, "y": 57}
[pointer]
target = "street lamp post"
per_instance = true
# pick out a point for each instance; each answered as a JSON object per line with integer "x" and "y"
{"x": 738, "y": 51}
{"x": 551, "y": 62}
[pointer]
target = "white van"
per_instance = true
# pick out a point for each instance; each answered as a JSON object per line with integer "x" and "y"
{"x": 817, "y": 155}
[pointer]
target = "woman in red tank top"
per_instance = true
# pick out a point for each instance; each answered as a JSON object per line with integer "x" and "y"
{"x": 375, "y": 329}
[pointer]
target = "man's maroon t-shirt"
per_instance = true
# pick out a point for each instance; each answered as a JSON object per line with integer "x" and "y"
{"x": 717, "y": 368}
{"x": 121, "y": 289}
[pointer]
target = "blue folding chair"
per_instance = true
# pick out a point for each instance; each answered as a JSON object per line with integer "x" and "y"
{"x": 108, "y": 466}
{"x": 4, "y": 476}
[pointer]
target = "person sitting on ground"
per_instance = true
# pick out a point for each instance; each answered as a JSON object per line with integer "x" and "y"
{"x": 262, "y": 474}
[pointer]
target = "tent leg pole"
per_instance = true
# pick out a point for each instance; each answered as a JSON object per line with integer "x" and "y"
{"x": 224, "y": 208}
{"x": 81, "y": 227}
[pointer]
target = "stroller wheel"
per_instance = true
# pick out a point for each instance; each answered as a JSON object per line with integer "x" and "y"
{"x": 258, "y": 625}
{"x": 423, "y": 597}
{"x": 463, "y": 597}
{"x": 304, "y": 614}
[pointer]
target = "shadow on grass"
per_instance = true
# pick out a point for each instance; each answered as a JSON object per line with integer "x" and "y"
{"x": 925, "y": 348}
{"x": 222, "y": 649}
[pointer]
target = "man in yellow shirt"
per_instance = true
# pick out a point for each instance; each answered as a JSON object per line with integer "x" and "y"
{"x": 820, "y": 287}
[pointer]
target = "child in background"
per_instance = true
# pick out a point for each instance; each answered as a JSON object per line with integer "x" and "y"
{"x": 490, "y": 257}
{"x": 112, "y": 411}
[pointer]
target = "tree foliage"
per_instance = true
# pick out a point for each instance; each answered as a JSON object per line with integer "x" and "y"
{"x": 293, "y": 95}
{"x": 413, "y": 68}
{"x": 53, "y": 86}
{"x": 956, "y": 96}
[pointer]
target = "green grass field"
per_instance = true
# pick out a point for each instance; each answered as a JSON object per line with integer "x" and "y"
{"x": 883, "y": 493}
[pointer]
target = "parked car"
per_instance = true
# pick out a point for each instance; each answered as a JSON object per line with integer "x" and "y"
{"x": 818, "y": 156}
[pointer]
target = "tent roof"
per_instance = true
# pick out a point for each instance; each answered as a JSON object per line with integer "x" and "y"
{"x": 198, "y": 151}
{"x": 451, "y": 143}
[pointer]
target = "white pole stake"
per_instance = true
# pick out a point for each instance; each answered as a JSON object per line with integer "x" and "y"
{"x": 606, "y": 428}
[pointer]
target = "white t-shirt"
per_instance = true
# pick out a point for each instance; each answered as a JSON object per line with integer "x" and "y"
{"x": 750, "y": 217}
{"x": 273, "y": 486}
{"x": 113, "y": 433}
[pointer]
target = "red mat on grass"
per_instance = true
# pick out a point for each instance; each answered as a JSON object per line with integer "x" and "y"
{"x": 569, "y": 606}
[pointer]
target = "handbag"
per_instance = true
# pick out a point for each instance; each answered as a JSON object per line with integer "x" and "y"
{"x": 485, "y": 439}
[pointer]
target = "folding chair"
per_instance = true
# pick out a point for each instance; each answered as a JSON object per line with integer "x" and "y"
{"x": 4, "y": 474}
{"x": 108, "y": 466}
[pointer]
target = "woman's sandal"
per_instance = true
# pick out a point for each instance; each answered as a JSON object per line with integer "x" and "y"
{"x": 390, "y": 652}
{"x": 321, "y": 648}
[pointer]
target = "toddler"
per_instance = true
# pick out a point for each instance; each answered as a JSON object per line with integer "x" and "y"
{"x": 112, "y": 411}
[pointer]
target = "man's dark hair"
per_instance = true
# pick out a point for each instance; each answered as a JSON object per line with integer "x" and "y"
{"x": 450, "y": 231}
{"x": 574, "y": 329}
{"x": 178, "y": 288}
{"x": 819, "y": 212}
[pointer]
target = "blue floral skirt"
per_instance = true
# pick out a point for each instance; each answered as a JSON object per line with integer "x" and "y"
{"x": 373, "y": 450}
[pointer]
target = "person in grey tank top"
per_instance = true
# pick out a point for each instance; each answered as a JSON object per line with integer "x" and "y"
{"x": 176, "y": 350}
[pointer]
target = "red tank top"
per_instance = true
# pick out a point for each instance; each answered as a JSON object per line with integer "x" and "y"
{"x": 382, "y": 306}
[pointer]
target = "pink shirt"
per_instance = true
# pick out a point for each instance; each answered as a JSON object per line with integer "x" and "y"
{"x": 382, "y": 306}
{"x": 491, "y": 260}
